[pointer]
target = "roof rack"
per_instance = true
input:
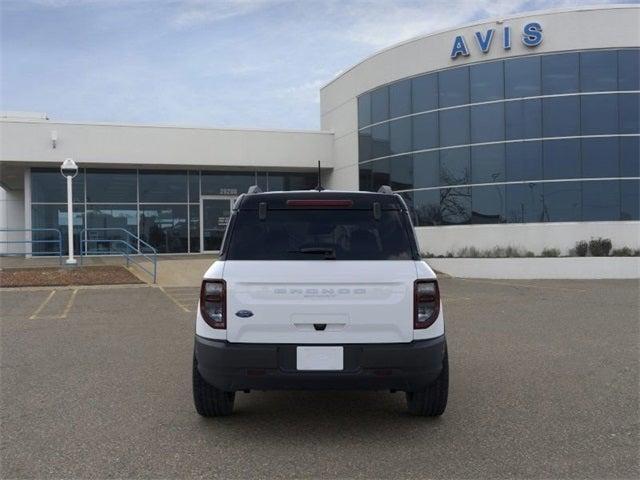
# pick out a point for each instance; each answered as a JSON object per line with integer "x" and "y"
{"x": 385, "y": 189}
{"x": 254, "y": 189}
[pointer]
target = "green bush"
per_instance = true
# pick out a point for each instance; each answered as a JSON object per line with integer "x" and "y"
{"x": 550, "y": 252}
{"x": 600, "y": 247}
{"x": 625, "y": 252}
{"x": 582, "y": 248}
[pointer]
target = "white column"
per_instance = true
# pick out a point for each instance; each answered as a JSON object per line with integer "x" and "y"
{"x": 70, "y": 260}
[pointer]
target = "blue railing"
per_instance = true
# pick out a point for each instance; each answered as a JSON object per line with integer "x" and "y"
{"x": 131, "y": 248}
{"x": 57, "y": 241}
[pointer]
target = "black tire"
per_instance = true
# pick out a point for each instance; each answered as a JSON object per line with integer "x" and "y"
{"x": 432, "y": 401}
{"x": 210, "y": 401}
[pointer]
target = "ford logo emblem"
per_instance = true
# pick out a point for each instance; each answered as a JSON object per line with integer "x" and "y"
{"x": 244, "y": 313}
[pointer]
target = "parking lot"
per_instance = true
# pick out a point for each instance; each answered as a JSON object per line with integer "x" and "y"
{"x": 96, "y": 383}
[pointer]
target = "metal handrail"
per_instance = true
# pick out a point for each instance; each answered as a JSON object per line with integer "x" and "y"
{"x": 32, "y": 241}
{"x": 137, "y": 251}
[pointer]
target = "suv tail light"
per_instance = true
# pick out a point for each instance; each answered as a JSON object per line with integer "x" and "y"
{"x": 426, "y": 303}
{"x": 213, "y": 303}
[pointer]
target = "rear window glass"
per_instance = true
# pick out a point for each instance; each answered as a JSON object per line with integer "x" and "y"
{"x": 319, "y": 235}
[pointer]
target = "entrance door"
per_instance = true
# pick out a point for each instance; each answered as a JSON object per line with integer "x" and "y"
{"x": 214, "y": 216}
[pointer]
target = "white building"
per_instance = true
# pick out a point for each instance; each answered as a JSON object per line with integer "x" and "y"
{"x": 520, "y": 131}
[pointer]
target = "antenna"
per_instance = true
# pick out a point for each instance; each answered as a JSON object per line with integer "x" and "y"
{"x": 319, "y": 187}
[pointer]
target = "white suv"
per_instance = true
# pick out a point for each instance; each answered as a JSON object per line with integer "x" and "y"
{"x": 320, "y": 290}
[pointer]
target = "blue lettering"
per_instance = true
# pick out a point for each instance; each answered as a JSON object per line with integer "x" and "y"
{"x": 506, "y": 38}
{"x": 532, "y": 34}
{"x": 485, "y": 43}
{"x": 459, "y": 47}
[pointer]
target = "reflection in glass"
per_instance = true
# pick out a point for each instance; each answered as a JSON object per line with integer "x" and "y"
{"x": 455, "y": 205}
{"x": 400, "y": 98}
{"x": 455, "y": 166}
{"x": 424, "y": 92}
{"x": 629, "y": 69}
{"x": 523, "y": 119}
{"x": 194, "y": 186}
{"x": 426, "y": 207}
{"x": 524, "y": 203}
{"x": 453, "y": 87}
{"x": 522, "y": 77}
{"x": 630, "y": 157}
{"x": 488, "y": 204}
{"x": 49, "y": 186}
{"x": 425, "y": 131}
{"x": 112, "y": 186}
{"x": 54, "y": 216}
{"x": 366, "y": 179}
{"x": 600, "y": 157}
{"x": 114, "y": 218}
{"x": 194, "y": 228}
{"x": 454, "y": 127}
{"x": 215, "y": 217}
{"x": 523, "y": 161}
{"x": 561, "y": 159}
{"x": 561, "y": 116}
{"x": 381, "y": 173}
{"x": 560, "y": 73}
{"x": 561, "y": 202}
{"x": 401, "y": 175}
{"x": 165, "y": 227}
{"x": 487, "y": 164}
{"x": 163, "y": 186}
{"x": 599, "y": 71}
{"x": 601, "y": 200}
{"x": 380, "y": 140}
{"x": 487, "y": 123}
{"x": 365, "y": 145}
{"x": 380, "y": 104}
{"x": 599, "y": 114}
{"x": 364, "y": 110}
{"x": 630, "y": 200}
{"x": 426, "y": 169}
{"x": 487, "y": 81}
{"x": 629, "y": 113}
{"x": 400, "y": 135}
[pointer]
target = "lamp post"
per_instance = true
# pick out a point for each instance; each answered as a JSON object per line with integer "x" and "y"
{"x": 69, "y": 169}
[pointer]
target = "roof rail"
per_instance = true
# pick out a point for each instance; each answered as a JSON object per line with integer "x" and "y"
{"x": 385, "y": 189}
{"x": 254, "y": 189}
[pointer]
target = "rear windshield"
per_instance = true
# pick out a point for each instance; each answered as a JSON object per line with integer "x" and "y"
{"x": 319, "y": 235}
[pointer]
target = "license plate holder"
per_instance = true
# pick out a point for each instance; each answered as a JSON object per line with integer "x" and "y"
{"x": 320, "y": 358}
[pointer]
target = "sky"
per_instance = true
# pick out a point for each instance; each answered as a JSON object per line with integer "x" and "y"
{"x": 219, "y": 63}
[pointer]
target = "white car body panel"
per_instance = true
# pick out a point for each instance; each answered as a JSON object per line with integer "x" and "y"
{"x": 359, "y": 301}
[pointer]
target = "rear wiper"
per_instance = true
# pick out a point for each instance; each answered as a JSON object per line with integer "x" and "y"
{"x": 329, "y": 253}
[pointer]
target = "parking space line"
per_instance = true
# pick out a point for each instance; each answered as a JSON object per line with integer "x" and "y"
{"x": 174, "y": 300}
{"x": 39, "y": 309}
{"x": 69, "y": 303}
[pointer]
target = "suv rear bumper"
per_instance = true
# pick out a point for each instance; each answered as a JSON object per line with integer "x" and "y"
{"x": 385, "y": 366}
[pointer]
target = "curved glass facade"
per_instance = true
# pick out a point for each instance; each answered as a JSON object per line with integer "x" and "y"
{"x": 541, "y": 138}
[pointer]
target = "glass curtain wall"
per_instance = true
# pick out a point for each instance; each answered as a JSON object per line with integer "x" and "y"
{"x": 541, "y": 138}
{"x": 161, "y": 207}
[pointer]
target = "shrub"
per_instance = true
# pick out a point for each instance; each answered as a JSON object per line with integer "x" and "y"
{"x": 427, "y": 255}
{"x": 600, "y": 247}
{"x": 550, "y": 252}
{"x": 581, "y": 248}
{"x": 624, "y": 252}
{"x": 529, "y": 253}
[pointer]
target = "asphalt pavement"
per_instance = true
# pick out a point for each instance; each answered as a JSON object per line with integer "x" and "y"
{"x": 96, "y": 383}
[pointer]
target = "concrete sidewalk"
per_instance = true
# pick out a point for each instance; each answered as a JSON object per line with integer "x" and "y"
{"x": 173, "y": 270}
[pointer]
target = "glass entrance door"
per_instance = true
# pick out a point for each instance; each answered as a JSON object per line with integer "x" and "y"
{"x": 214, "y": 216}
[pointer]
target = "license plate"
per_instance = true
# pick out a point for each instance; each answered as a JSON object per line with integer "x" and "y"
{"x": 320, "y": 358}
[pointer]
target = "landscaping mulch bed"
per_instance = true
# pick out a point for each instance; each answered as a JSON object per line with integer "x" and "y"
{"x": 57, "y": 276}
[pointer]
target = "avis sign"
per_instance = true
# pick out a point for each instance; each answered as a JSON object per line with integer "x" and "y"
{"x": 531, "y": 37}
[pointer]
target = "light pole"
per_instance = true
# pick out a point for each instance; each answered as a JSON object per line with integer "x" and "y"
{"x": 69, "y": 169}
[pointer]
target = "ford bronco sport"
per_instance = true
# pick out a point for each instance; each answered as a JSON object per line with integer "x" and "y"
{"x": 320, "y": 290}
